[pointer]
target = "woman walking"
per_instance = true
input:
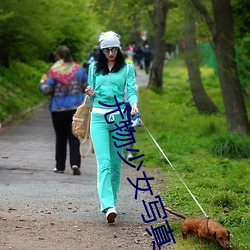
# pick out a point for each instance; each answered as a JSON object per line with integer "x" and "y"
{"x": 65, "y": 84}
{"x": 109, "y": 76}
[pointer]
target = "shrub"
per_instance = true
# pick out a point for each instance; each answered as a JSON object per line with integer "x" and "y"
{"x": 231, "y": 146}
{"x": 224, "y": 200}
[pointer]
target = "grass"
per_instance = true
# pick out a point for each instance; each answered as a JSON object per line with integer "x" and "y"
{"x": 19, "y": 88}
{"x": 214, "y": 164}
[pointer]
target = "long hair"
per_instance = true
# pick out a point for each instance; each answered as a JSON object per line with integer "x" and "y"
{"x": 102, "y": 66}
{"x": 63, "y": 52}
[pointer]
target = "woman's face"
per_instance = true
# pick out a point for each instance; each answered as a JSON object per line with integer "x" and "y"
{"x": 110, "y": 53}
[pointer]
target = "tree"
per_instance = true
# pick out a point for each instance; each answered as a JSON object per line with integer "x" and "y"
{"x": 223, "y": 38}
{"x": 128, "y": 18}
{"x": 201, "y": 99}
{"x": 159, "y": 44}
{"x": 23, "y": 33}
{"x": 28, "y": 33}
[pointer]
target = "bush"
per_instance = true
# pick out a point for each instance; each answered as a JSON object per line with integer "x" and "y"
{"x": 224, "y": 200}
{"x": 19, "y": 88}
{"x": 231, "y": 146}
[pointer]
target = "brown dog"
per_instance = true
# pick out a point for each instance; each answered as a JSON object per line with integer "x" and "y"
{"x": 204, "y": 228}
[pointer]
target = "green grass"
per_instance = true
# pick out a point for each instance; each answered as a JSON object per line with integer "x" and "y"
{"x": 214, "y": 164}
{"x": 19, "y": 88}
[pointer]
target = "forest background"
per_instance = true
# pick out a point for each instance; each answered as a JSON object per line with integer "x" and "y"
{"x": 217, "y": 136}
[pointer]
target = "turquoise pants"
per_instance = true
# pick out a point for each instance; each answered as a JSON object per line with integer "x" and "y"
{"x": 108, "y": 161}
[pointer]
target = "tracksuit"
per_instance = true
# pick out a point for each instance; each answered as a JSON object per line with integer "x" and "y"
{"x": 109, "y": 163}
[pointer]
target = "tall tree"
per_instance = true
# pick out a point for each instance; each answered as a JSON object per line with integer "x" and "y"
{"x": 223, "y": 38}
{"x": 159, "y": 44}
{"x": 202, "y": 101}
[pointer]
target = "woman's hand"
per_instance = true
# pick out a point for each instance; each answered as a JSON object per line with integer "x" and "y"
{"x": 134, "y": 109}
{"x": 90, "y": 91}
{"x": 43, "y": 79}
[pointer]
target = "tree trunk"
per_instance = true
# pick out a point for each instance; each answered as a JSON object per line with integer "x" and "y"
{"x": 201, "y": 99}
{"x": 235, "y": 109}
{"x": 159, "y": 46}
{"x": 223, "y": 38}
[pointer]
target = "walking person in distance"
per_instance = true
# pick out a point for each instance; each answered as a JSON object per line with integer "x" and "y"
{"x": 147, "y": 54}
{"x": 65, "y": 84}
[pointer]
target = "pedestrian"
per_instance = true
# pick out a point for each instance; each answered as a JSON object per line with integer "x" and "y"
{"x": 108, "y": 77}
{"x": 66, "y": 83}
{"x": 93, "y": 54}
{"x": 92, "y": 57}
{"x": 147, "y": 54}
{"x": 139, "y": 55}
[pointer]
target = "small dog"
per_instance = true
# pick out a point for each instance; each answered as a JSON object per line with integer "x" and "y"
{"x": 204, "y": 228}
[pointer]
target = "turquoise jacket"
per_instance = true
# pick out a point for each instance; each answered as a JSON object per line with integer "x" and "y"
{"x": 113, "y": 84}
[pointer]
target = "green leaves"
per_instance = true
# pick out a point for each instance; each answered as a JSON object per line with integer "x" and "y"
{"x": 30, "y": 32}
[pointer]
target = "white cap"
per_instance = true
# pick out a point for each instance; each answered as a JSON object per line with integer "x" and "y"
{"x": 109, "y": 39}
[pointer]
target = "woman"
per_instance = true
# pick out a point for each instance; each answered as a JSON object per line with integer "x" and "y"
{"x": 65, "y": 83}
{"x": 108, "y": 76}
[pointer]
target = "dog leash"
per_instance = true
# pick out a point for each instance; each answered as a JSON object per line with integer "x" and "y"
{"x": 174, "y": 170}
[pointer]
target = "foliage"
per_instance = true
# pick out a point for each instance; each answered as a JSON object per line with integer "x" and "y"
{"x": 19, "y": 88}
{"x": 41, "y": 30}
{"x": 243, "y": 61}
{"x": 242, "y": 37}
{"x": 241, "y": 17}
{"x": 219, "y": 183}
{"x": 128, "y": 18}
{"x": 231, "y": 146}
{"x": 175, "y": 25}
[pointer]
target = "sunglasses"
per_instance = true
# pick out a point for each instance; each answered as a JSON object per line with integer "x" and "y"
{"x": 106, "y": 51}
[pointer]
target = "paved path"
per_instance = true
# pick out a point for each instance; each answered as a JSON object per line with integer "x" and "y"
{"x": 26, "y": 163}
{"x": 31, "y": 193}
{"x": 27, "y": 157}
{"x": 141, "y": 78}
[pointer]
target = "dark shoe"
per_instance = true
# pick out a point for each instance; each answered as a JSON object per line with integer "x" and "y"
{"x": 111, "y": 215}
{"x": 76, "y": 170}
{"x": 58, "y": 171}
